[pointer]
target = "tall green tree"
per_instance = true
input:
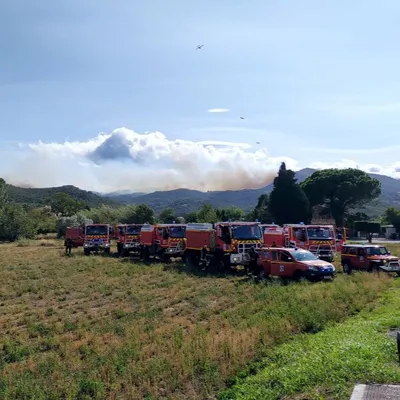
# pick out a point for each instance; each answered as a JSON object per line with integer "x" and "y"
{"x": 391, "y": 216}
{"x": 207, "y": 213}
{"x": 15, "y": 224}
{"x": 230, "y": 213}
{"x": 167, "y": 216}
{"x": 3, "y": 195}
{"x": 287, "y": 202}
{"x": 261, "y": 210}
{"x": 144, "y": 214}
{"x": 65, "y": 205}
{"x": 191, "y": 217}
{"x": 340, "y": 190}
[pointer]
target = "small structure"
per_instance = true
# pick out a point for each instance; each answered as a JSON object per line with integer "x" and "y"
{"x": 389, "y": 231}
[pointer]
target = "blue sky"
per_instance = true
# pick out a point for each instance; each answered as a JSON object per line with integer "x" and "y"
{"x": 316, "y": 81}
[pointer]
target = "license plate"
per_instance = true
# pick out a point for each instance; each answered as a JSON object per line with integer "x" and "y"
{"x": 327, "y": 277}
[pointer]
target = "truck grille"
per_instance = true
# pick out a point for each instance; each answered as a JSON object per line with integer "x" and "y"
{"x": 244, "y": 248}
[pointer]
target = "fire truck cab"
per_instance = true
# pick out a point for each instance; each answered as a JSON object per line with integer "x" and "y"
{"x": 97, "y": 238}
{"x": 128, "y": 239}
{"x": 228, "y": 243}
{"x": 163, "y": 241}
{"x": 318, "y": 239}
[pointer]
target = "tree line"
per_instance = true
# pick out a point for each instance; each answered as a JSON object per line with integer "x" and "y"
{"x": 332, "y": 193}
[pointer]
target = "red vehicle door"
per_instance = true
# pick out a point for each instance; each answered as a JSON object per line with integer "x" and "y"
{"x": 281, "y": 264}
{"x": 361, "y": 262}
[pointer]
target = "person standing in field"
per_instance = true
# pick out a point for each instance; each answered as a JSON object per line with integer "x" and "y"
{"x": 68, "y": 245}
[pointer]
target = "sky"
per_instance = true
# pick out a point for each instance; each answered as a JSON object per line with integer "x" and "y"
{"x": 113, "y": 95}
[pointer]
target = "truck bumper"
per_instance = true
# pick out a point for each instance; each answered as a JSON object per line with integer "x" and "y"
{"x": 131, "y": 248}
{"x": 390, "y": 267}
{"x": 322, "y": 274}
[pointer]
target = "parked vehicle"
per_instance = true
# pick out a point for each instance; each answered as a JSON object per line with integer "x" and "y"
{"x": 163, "y": 241}
{"x": 97, "y": 238}
{"x": 76, "y": 234}
{"x": 368, "y": 258}
{"x": 319, "y": 239}
{"x": 293, "y": 263}
{"x": 128, "y": 239}
{"x": 223, "y": 244}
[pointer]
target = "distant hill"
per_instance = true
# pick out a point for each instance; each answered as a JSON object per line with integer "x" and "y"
{"x": 39, "y": 196}
{"x": 186, "y": 200}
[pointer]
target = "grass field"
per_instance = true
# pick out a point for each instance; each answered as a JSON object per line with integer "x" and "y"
{"x": 328, "y": 364}
{"x": 95, "y": 327}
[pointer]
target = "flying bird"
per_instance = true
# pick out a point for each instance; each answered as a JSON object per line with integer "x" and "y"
{"x": 241, "y": 117}
{"x": 199, "y": 46}
{"x": 258, "y": 142}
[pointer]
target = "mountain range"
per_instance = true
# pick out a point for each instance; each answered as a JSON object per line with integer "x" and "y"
{"x": 186, "y": 200}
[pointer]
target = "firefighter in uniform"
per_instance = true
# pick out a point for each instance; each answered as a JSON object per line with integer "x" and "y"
{"x": 68, "y": 245}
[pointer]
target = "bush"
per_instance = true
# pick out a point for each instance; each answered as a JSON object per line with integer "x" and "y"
{"x": 64, "y": 222}
{"x": 15, "y": 223}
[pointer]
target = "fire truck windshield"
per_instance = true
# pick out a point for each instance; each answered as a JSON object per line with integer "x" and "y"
{"x": 319, "y": 233}
{"x": 96, "y": 230}
{"x": 246, "y": 232}
{"x": 133, "y": 230}
{"x": 177, "y": 231}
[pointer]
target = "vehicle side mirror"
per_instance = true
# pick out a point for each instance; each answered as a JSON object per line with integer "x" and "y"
{"x": 389, "y": 252}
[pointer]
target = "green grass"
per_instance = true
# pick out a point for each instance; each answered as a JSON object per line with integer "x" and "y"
{"x": 96, "y": 327}
{"x": 328, "y": 364}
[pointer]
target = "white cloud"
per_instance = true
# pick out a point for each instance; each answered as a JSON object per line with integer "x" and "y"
{"x": 218, "y": 110}
{"x": 127, "y": 160}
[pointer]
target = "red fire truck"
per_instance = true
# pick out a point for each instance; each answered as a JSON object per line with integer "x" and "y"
{"x": 164, "y": 241}
{"x": 76, "y": 234}
{"x": 273, "y": 235}
{"x": 128, "y": 239}
{"x": 97, "y": 238}
{"x": 224, "y": 243}
{"x": 318, "y": 239}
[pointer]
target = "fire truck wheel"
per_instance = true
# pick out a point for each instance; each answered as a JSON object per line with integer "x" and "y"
{"x": 398, "y": 273}
{"x": 119, "y": 248}
{"x": 86, "y": 252}
{"x": 347, "y": 268}
{"x": 107, "y": 250}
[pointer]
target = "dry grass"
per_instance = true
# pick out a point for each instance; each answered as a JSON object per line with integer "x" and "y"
{"x": 95, "y": 327}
